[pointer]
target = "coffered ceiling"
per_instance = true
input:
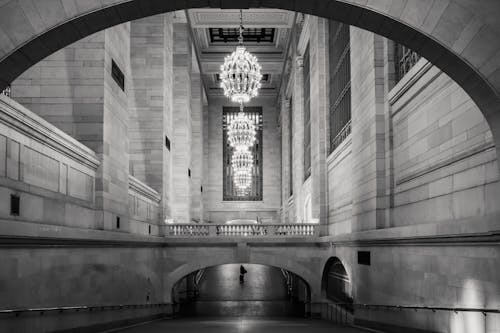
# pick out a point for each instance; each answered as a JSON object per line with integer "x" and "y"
{"x": 268, "y": 32}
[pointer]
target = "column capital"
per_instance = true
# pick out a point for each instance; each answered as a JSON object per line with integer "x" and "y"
{"x": 299, "y": 61}
{"x": 285, "y": 103}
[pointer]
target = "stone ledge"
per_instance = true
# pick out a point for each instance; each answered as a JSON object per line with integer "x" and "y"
{"x": 16, "y": 116}
{"x": 143, "y": 189}
{"x": 409, "y": 80}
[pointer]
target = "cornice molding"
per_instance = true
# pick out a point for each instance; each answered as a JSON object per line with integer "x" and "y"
{"x": 136, "y": 185}
{"x": 20, "y": 119}
{"x": 304, "y": 35}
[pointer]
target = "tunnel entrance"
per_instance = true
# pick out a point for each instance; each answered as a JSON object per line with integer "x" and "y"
{"x": 265, "y": 291}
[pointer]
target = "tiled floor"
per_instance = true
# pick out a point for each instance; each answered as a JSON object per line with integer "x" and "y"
{"x": 241, "y": 325}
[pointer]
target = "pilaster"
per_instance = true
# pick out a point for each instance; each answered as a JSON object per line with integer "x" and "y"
{"x": 298, "y": 138}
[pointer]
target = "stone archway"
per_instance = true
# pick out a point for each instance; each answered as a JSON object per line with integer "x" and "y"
{"x": 193, "y": 266}
{"x": 336, "y": 281}
{"x": 458, "y": 36}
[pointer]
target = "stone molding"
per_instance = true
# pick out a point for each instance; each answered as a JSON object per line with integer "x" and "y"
{"x": 304, "y": 35}
{"x": 17, "y": 117}
{"x": 137, "y": 186}
{"x": 446, "y": 162}
{"x": 409, "y": 80}
{"x": 339, "y": 154}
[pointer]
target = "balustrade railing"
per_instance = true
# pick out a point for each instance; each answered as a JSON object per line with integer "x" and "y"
{"x": 241, "y": 230}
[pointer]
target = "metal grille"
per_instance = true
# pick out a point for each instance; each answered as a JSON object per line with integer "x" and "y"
{"x": 405, "y": 59}
{"x": 255, "y": 192}
{"x": 340, "y": 83}
{"x": 252, "y": 35}
{"x": 307, "y": 116}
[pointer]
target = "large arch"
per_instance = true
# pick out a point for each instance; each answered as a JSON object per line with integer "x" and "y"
{"x": 194, "y": 265}
{"x": 458, "y": 36}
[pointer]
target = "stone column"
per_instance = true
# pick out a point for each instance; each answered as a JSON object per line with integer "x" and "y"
{"x": 285, "y": 152}
{"x": 150, "y": 103}
{"x": 197, "y": 142}
{"x": 368, "y": 130}
{"x": 318, "y": 44}
{"x": 182, "y": 141}
{"x": 298, "y": 138}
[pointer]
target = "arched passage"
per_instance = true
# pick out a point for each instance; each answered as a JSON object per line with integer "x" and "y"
{"x": 241, "y": 290}
{"x": 336, "y": 282}
{"x": 458, "y": 36}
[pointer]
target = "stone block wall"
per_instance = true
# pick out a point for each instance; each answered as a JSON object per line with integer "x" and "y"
{"x": 340, "y": 189}
{"x": 74, "y": 90}
{"x": 144, "y": 208}
{"x": 150, "y": 105}
{"x": 52, "y": 174}
{"x": 445, "y": 163}
{"x": 78, "y": 276}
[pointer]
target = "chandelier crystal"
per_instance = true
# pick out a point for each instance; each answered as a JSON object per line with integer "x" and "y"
{"x": 240, "y": 74}
{"x": 242, "y": 160}
{"x": 242, "y": 180}
{"x": 241, "y": 132}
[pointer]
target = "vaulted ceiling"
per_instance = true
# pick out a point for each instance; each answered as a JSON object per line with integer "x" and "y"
{"x": 267, "y": 33}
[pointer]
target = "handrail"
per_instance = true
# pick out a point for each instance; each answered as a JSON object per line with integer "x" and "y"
{"x": 84, "y": 307}
{"x": 418, "y": 307}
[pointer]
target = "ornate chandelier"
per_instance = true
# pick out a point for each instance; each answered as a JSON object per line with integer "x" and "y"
{"x": 240, "y": 79}
{"x": 241, "y": 132}
{"x": 242, "y": 180}
{"x": 240, "y": 74}
{"x": 242, "y": 160}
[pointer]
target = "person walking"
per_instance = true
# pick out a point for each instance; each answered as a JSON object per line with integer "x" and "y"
{"x": 243, "y": 271}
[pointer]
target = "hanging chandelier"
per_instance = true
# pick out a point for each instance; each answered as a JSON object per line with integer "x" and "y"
{"x": 242, "y": 180}
{"x": 240, "y": 79}
{"x": 242, "y": 160}
{"x": 240, "y": 74}
{"x": 241, "y": 132}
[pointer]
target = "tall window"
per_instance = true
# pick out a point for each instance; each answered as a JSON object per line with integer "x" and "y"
{"x": 405, "y": 59}
{"x": 229, "y": 192}
{"x": 290, "y": 145}
{"x": 307, "y": 116}
{"x": 340, "y": 83}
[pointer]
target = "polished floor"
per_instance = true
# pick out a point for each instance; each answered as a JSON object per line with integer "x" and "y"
{"x": 241, "y": 325}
